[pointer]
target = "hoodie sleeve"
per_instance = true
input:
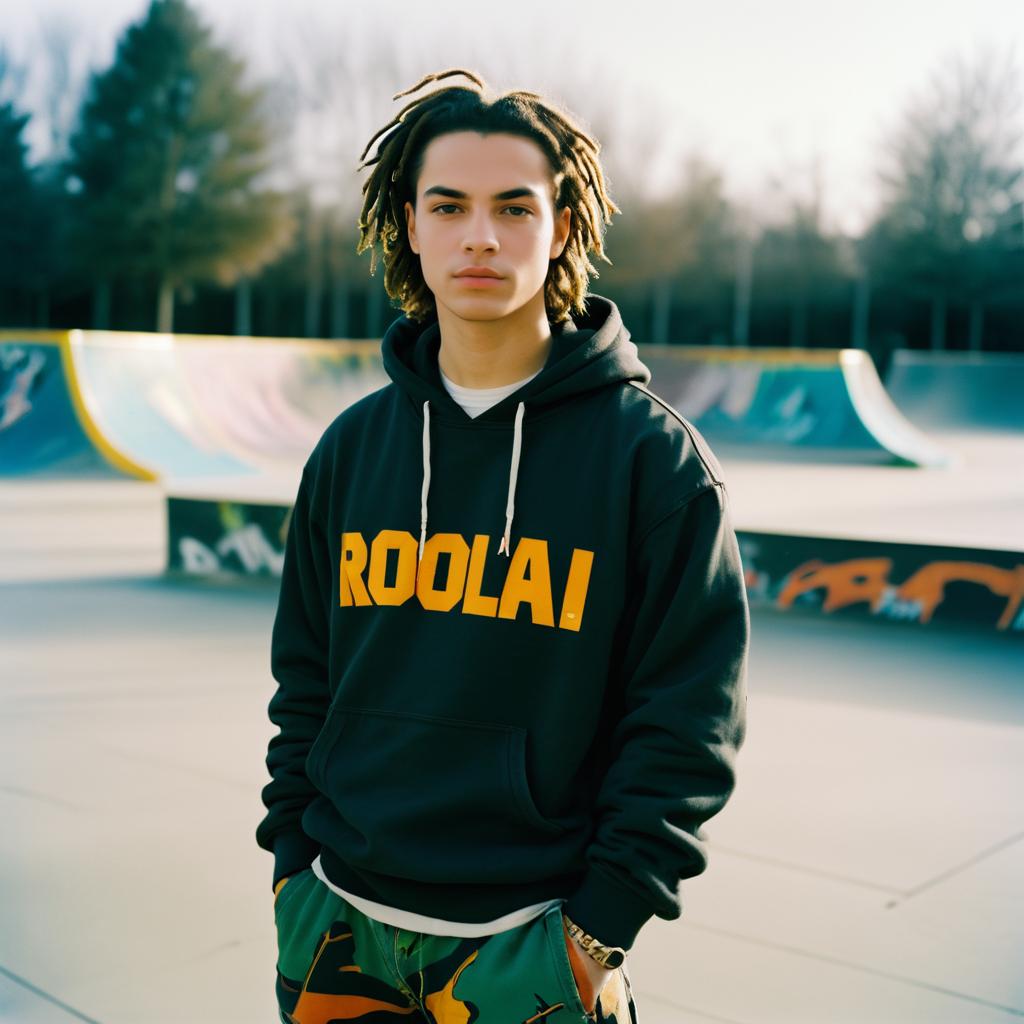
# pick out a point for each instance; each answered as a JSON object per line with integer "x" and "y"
{"x": 673, "y": 750}
{"x": 298, "y": 661}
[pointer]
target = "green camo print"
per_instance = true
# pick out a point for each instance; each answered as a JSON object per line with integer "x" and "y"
{"x": 335, "y": 964}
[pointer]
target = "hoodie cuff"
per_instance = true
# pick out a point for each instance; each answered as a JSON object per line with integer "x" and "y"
{"x": 293, "y": 851}
{"x": 606, "y": 909}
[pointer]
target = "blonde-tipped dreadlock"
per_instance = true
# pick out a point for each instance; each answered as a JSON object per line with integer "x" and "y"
{"x": 577, "y": 176}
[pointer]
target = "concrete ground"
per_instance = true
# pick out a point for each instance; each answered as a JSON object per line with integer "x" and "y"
{"x": 868, "y": 869}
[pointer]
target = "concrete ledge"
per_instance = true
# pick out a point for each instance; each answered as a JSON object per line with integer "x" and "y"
{"x": 925, "y": 585}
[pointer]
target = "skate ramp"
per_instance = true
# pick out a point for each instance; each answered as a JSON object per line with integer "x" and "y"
{"x": 789, "y": 403}
{"x": 46, "y": 428}
{"x": 268, "y": 400}
{"x": 140, "y": 398}
{"x": 192, "y": 407}
{"x": 959, "y": 391}
{"x": 173, "y": 406}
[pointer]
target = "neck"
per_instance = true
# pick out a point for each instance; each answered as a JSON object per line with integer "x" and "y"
{"x": 492, "y": 353}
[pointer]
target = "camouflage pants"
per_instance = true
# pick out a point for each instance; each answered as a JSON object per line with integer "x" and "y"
{"x": 335, "y": 964}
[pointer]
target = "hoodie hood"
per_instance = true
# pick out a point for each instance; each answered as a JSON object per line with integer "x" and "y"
{"x": 588, "y": 352}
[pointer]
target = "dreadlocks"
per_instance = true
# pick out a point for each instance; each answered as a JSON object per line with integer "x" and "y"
{"x": 578, "y": 180}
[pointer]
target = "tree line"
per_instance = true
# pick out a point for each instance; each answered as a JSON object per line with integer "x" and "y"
{"x": 185, "y": 196}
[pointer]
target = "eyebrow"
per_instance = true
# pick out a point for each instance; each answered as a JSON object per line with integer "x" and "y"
{"x": 454, "y": 193}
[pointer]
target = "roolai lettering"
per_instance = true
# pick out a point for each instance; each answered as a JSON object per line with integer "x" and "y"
{"x": 363, "y": 577}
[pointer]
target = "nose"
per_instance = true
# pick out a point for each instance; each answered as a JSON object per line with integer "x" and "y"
{"x": 480, "y": 235}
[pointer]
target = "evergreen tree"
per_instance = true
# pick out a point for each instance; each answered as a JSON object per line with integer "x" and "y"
{"x": 166, "y": 161}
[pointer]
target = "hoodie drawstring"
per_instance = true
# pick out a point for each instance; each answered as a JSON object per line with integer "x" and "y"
{"x": 426, "y": 479}
{"x": 510, "y": 507}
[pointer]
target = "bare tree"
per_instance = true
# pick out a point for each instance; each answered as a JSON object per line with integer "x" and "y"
{"x": 798, "y": 253}
{"x": 66, "y": 55}
{"x": 954, "y": 170}
{"x": 334, "y": 85}
{"x": 13, "y": 77}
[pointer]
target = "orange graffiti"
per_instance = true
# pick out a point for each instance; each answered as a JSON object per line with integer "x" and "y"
{"x": 859, "y": 580}
{"x": 845, "y": 583}
{"x": 928, "y": 585}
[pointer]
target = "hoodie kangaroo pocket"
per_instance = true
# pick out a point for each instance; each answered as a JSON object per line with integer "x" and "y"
{"x": 425, "y": 797}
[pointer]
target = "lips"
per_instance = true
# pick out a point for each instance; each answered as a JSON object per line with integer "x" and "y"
{"x": 478, "y": 272}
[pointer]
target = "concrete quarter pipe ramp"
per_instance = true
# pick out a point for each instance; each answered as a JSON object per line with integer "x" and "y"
{"x": 46, "y": 428}
{"x": 180, "y": 407}
{"x": 267, "y": 400}
{"x": 962, "y": 391}
{"x": 171, "y": 407}
{"x": 789, "y": 402}
{"x": 226, "y": 423}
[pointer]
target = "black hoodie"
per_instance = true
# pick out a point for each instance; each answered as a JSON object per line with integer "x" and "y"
{"x": 466, "y": 730}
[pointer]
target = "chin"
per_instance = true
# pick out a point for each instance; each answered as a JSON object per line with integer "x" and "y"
{"x": 481, "y": 307}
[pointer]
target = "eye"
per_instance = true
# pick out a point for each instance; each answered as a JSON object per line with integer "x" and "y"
{"x": 444, "y": 206}
{"x": 525, "y": 210}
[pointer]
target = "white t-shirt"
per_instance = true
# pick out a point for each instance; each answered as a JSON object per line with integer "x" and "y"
{"x": 478, "y": 400}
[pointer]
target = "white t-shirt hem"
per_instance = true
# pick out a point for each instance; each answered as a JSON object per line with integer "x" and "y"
{"x": 432, "y": 925}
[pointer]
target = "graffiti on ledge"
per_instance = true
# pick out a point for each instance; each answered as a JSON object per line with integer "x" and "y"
{"x": 902, "y": 582}
{"x": 922, "y": 584}
{"x": 226, "y": 537}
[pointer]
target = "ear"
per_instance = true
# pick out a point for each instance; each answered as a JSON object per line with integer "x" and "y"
{"x": 410, "y": 223}
{"x": 563, "y": 221}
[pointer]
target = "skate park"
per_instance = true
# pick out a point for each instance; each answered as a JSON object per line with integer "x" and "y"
{"x": 869, "y": 865}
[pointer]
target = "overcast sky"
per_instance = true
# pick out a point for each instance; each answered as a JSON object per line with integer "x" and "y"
{"x": 760, "y": 88}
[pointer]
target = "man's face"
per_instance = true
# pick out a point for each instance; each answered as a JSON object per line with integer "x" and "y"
{"x": 485, "y": 201}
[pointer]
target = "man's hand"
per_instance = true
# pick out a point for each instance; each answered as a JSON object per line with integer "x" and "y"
{"x": 590, "y": 976}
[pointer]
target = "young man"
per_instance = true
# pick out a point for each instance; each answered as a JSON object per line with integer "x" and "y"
{"x": 512, "y": 632}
